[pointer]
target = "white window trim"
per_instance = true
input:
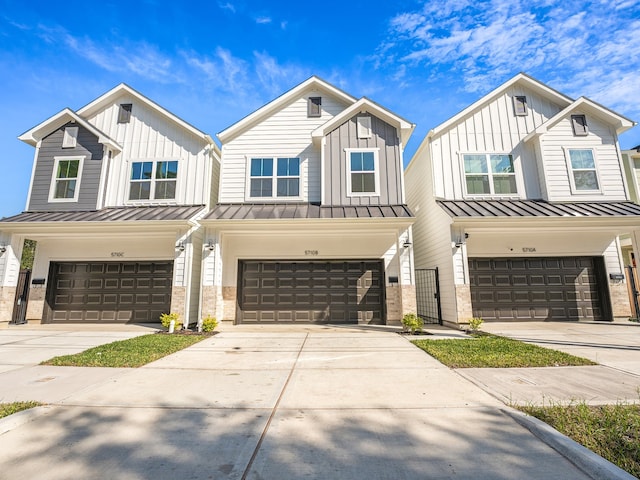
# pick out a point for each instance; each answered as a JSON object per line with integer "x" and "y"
{"x": 151, "y": 200}
{"x": 570, "y": 170}
{"x": 274, "y": 180}
{"x": 376, "y": 166}
{"x": 491, "y": 194}
{"x": 52, "y": 187}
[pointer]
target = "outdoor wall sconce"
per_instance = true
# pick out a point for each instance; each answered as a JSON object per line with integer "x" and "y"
{"x": 406, "y": 244}
{"x": 180, "y": 247}
{"x": 461, "y": 241}
{"x": 210, "y": 246}
{"x": 3, "y": 249}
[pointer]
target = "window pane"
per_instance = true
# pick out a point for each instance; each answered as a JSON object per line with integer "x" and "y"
{"x": 504, "y": 184}
{"x": 363, "y": 182}
{"x": 165, "y": 190}
{"x": 586, "y": 180}
{"x": 356, "y": 161}
{"x": 475, "y": 164}
{"x": 288, "y": 187}
{"x": 65, "y": 189}
{"x": 368, "y": 163}
{"x": 140, "y": 191}
{"x": 501, "y": 164}
{"x": 478, "y": 184}
{"x": 141, "y": 170}
{"x": 261, "y": 187}
{"x": 288, "y": 167}
{"x": 582, "y": 159}
{"x": 167, "y": 170}
{"x": 261, "y": 167}
{"x": 68, "y": 169}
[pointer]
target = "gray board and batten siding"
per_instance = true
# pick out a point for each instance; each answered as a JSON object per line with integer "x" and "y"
{"x": 385, "y": 138}
{"x": 51, "y": 147}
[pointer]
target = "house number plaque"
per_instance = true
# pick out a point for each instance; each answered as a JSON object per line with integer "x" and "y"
{"x": 311, "y": 253}
{"x": 117, "y": 254}
{"x": 528, "y": 249}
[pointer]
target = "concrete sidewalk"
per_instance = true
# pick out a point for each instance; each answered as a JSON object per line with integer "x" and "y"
{"x": 273, "y": 405}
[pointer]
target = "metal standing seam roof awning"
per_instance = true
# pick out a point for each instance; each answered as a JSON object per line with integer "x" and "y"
{"x": 495, "y": 209}
{"x": 281, "y": 211}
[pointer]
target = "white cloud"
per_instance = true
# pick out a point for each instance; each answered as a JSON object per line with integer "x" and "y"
{"x": 263, "y": 20}
{"x": 227, "y": 6}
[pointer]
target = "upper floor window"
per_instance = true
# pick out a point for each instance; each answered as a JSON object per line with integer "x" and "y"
{"x": 363, "y": 173}
{"x": 579, "y": 125}
{"x": 520, "y": 105}
{"x": 263, "y": 183}
{"x": 153, "y": 180}
{"x": 583, "y": 173}
{"x": 314, "y": 107}
{"x": 489, "y": 174}
{"x": 124, "y": 113}
{"x": 65, "y": 184}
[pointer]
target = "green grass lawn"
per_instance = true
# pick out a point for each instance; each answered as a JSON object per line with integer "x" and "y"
{"x": 490, "y": 351}
{"x": 7, "y": 409}
{"x": 611, "y": 431}
{"x": 131, "y": 353}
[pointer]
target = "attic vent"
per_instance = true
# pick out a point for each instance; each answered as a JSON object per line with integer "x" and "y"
{"x": 520, "y": 106}
{"x": 364, "y": 127}
{"x": 579, "y": 124}
{"x": 70, "y": 137}
{"x": 124, "y": 113}
{"x": 314, "y": 107}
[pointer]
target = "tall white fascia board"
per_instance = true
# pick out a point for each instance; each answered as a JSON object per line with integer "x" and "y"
{"x": 274, "y": 105}
{"x": 621, "y": 123}
{"x": 521, "y": 78}
{"x": 37, "y": 133}
{"x": 108, "y": 98}
{"x": 369, "y": 106}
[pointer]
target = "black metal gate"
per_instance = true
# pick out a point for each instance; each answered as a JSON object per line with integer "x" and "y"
{"x": 634, "y": 290}
{"x": 428, "y": 295}
{"x": 22, "y": 298}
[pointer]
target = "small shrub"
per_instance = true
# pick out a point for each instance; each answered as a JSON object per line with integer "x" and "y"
{"x": 166, "y": 318}
{"x": 475, "y": 324}
{"x": 209, "y": 323}
{"x": 412, "y": 323}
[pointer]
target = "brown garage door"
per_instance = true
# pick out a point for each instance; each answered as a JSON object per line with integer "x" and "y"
{"x": 319, "y": 292}
{"x": 564, "y": 288}
{"x": 109, "y": 291}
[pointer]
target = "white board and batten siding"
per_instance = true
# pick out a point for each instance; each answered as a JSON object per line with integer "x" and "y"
{"x": 285, "y": 133}
{"x": 150, "y": 136}
{"x": 602, "y": 140}
{"x": 492, "y": 128}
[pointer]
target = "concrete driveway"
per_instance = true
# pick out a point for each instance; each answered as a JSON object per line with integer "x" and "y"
{"x": 320, "y": 404}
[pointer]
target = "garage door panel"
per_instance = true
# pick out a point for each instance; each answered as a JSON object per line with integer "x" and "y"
{"x": 552, "y": 288}
{"x": 98, "y": 292}
{"x": 314, "y": 291}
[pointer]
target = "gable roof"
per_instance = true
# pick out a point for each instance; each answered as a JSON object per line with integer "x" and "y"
{"x": 520, "y": 78}
{"x": 621, "y": 123}
{"x": 37, "y": 133}
{"x": 366, "y": 105}
{"x": 110, "y": 97}
{"x": 310, "y": 84}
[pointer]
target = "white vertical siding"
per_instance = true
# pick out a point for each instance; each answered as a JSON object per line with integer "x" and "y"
{"x": 10, "y": 259}
{"x": 286, "y": 133}
{"x": 196, "y": 275}
{"x": 602, "y": 140}
{"x": 492, "y": 128}
{"x": 151, "y": 136}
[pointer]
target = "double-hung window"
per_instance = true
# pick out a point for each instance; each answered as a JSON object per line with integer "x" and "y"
{"x": 65, "y": 184}
{"x": 265, "y": 181}
{"x": 489, "y": 174}
{"x": 363, "y": 174}
{"x": 583, "y": 172}
{"x": 153, "y": 180}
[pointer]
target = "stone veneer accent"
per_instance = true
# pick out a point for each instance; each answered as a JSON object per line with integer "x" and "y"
{"x": 620, "y": 300}
{"x": 229, "y": 296}
{"x": 7, "y": 300}
{"x": 463, "y": 303}
{"x": 394, "y": 305}
{"x": 178, "y": 302}
{"x": 210, "y": 300}
{"x": 409, "y": 301}
{"x": 35, "y": 307}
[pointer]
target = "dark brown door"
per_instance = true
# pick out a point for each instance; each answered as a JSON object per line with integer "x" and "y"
{"x": 306, "y": 292}
{"x": 554, "y": 288}
{"x": 109, "y": 291}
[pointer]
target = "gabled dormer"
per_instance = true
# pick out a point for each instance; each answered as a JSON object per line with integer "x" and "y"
{"x": 69, "y": 163}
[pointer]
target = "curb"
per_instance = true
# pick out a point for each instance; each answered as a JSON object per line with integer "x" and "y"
{"x": 589, "y": 462}
{"x": 25, "y": 416}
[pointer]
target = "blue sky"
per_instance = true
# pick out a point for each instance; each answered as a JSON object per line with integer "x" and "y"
{"x": 213, "y": 62}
